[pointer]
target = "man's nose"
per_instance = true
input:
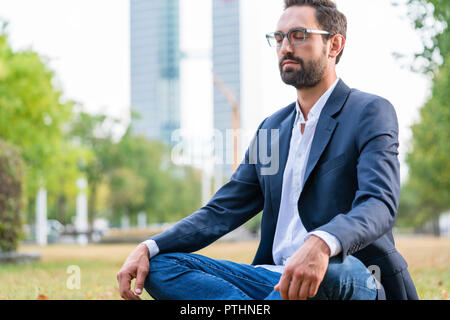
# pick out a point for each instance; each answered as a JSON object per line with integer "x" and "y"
{"x": 286, "y": 46}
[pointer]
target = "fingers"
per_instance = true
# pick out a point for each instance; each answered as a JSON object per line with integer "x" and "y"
{"x": 293, "y": 289}
{"x": 136, "y": 266}
{"x": 124, "y": 280}
{"x": 304, "y": 290}
{"x": 296, "y": 289}
{"x": 140, "y": 279}
{"x": 283, "y": 287}
{"x": 313, "y": 288}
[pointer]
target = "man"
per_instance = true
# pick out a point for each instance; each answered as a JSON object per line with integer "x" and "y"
{"x": 329, "y": 209}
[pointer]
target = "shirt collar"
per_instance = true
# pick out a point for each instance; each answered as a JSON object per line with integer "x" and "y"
{"x": 315, "y": 111}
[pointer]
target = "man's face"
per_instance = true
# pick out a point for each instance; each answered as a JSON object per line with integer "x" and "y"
{"x": 304, "y": 65}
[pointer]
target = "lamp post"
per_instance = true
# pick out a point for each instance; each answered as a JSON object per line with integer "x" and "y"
{"x": 41, "y": 217}
{"x": 81, "y": 222}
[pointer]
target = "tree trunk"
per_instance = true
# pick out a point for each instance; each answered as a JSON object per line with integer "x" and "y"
{"x": 92, "y": 204}
{"x": 31, "y": 214}
{"x": 436, "y": 228}
{"x": 61, "y": 209}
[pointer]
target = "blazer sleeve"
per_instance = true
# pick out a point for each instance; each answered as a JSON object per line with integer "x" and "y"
{"x": 375, "y": 204}
{"x": 232, "y": 205}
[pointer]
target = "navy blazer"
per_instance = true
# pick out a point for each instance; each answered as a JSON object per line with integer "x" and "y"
{"x": 351, "y": 187}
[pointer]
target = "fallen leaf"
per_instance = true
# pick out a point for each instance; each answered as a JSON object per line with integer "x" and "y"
{"x": 42, "y": 297}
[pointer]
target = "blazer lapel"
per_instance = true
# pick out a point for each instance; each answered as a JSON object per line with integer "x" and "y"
{"x": 326, "y": 125}
{"x": 324, "y": 131}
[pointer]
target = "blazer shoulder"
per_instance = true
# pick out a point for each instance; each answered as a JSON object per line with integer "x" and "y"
{"x": 362, "y": 102}
{"x": 372, "y": 115}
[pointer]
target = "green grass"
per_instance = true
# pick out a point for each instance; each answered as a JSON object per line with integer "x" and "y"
{"x": 428, "y": 259}
{"x": 432, "y": 283}
{"x": 48, "y": 278}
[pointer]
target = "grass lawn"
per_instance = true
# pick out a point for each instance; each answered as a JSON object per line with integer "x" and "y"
{"x": 428, "y": 259}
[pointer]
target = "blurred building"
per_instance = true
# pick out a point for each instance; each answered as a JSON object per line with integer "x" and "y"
{"x": 226, "y": 67}
{"x": 155, "y": 67}
{"x": 239, "y": 51}
{"x": 174, "y": 50}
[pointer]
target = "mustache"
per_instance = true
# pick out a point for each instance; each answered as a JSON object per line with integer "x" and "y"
{"x": 289, "y": 57}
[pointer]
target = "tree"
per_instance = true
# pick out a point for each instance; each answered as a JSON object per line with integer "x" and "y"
{"x": 169, "y": 192}
{"x": 58, "y": 145}
{"x": 431, "y": 18}
{"x": 33, "y": 117}
{"x": 135, "y": 174}
{"x": 127, "y": 192}
{"x": 11, "y": 185}
{"x": 91, "y": 132}
{"x": 428, "y": 160}
{"x": 426, "y": 194}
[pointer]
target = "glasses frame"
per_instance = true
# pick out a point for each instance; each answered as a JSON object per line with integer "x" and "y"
{"x": 288, "y": 34}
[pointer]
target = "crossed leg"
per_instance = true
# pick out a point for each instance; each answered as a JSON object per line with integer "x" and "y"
{"x": 182, "y": 276}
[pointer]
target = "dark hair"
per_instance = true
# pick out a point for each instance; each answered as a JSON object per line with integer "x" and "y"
{"x": 327, "y": 15}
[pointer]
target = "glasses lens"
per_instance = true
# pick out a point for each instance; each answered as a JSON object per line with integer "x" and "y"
{"x": 297, "y": 37}
{"x": 271, "y": 39}
{"x": 278, "y": 38}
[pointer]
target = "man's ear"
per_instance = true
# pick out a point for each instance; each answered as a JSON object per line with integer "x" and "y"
{"x": 337, "y": 43}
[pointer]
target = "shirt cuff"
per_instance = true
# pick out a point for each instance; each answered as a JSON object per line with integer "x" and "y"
{"x": 333, "y": 243}
{"x": 152, "y": 247}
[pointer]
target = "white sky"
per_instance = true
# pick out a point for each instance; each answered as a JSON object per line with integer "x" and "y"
{"x": 87, "y": 44}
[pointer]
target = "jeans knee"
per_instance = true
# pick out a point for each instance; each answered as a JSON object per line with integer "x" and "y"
{"x": 347, "y": 278}
{"x": 160, "y": 260}
{"x": 351, "y": 268}
{"x": 159, "y": 270}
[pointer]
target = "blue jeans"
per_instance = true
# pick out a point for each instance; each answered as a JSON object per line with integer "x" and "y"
{"x": 182, "y": 276}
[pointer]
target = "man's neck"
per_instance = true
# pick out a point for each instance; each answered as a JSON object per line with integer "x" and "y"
{"x": 307, "y": 97}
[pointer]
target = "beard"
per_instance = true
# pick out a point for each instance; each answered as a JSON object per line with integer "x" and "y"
{"x": 309, "y": 74}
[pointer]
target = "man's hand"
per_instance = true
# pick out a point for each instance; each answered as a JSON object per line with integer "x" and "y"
{"x": 136, "y": 266}
{"x": 305, "y": 270}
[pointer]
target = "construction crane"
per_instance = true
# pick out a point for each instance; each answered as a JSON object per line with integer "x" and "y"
{"x": 234, "y": 104}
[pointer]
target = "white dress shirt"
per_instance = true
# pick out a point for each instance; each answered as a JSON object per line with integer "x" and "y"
{"x": 290, "y": 233}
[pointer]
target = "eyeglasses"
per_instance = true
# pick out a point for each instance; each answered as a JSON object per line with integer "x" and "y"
{"x": 295, "y": 36}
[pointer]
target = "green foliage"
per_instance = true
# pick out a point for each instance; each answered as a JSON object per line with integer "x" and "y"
{"x": 91, "y": 132}
{"x": 33, "y": 117}
{"x": 169, "y": 192}
{"x": 432, "y": 18}
{"x": 128, "y": 189}
{"x": 136, "y": 172}
{"x": 58, "y": 146}
{"x": 429, "y": 161}
{"x": 11, "y": 182}
{"x": 426, "y": 194}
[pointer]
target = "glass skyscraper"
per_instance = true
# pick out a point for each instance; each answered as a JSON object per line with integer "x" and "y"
{"x": 155, "y": 67}
{"x": 226, "y": 66}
